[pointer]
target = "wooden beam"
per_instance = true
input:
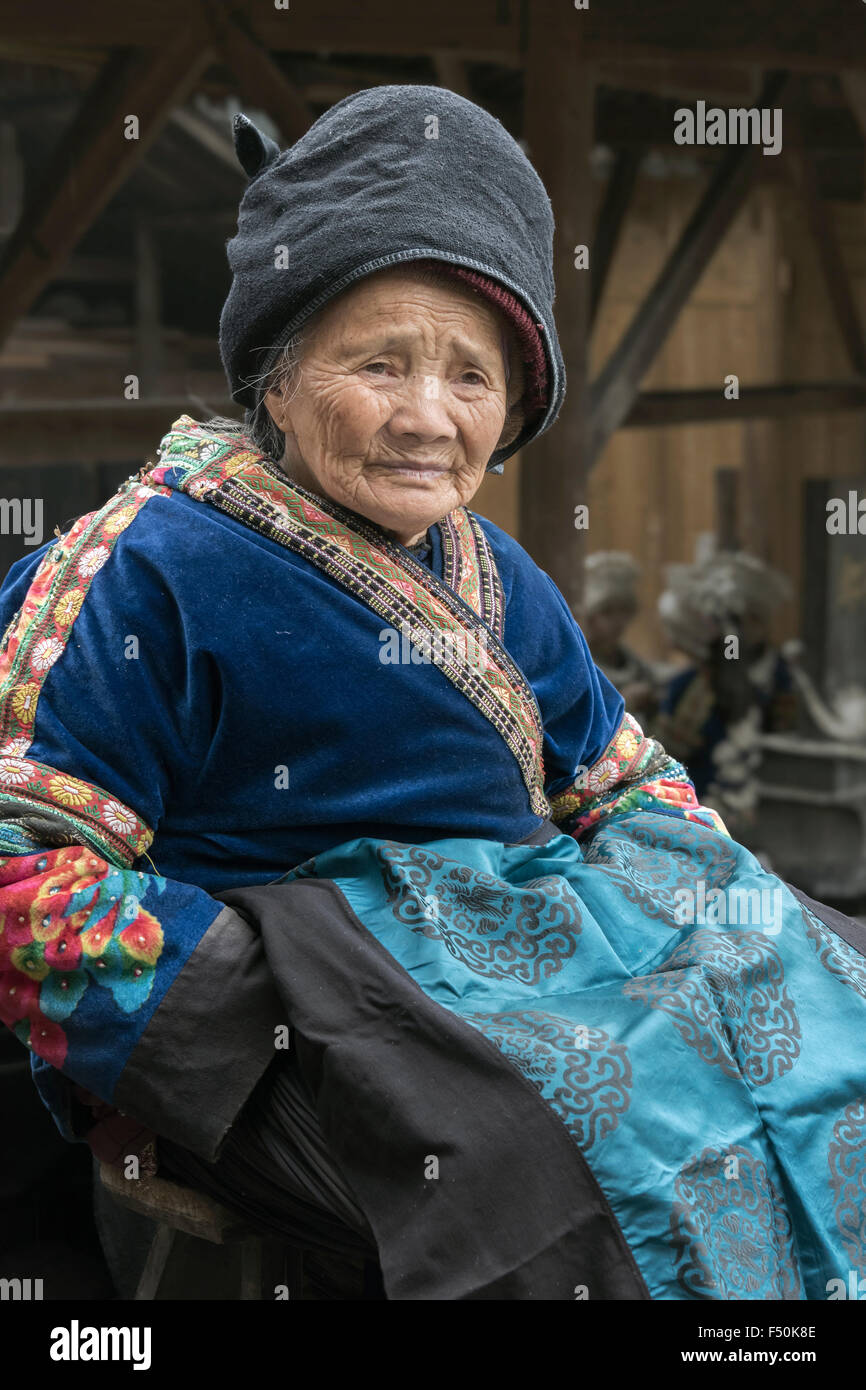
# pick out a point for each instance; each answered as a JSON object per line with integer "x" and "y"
{"x": 54, "y": 337}
{"x": 624, "y": 118}
{"x": 826, "y": 54}
{"x": 813, "y": 35}
{"x": 209, "y": 138}
{"x": 58, "y": 55}
{"x": 96, "y": 430}
{"x": 91, "y": 162}
{"x": 112, "y": 270}
{"x": 486, "y": 27}
{"x": 639, "y": 120}
{"x": 666, "y": 408}
{"x": 559, "y": 134}
{"x": 261, "y": 82}
{"x": 614, "y": 393}
{"x": 612, "y": 215}
{"x": 717, "y": 84}
{"x": 819, "y": 217}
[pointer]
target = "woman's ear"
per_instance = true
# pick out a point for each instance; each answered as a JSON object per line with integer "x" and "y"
{"x": 276, "y": 406}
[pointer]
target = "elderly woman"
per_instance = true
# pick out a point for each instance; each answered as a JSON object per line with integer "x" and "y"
{"x": 331, "y": 860}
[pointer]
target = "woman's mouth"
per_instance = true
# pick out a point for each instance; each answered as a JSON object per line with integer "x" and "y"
{"x": 410, "y": 468}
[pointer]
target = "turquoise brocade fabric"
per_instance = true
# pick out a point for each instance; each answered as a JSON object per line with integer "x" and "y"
{"x": 696, "y": 1029}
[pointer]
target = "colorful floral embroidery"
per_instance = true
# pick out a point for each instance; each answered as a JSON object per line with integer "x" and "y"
{"x": 70, "y": 920}
{"x": 34, "y": 640}
{"x": 224, "y": 472}
{"x": 633, "y": 774}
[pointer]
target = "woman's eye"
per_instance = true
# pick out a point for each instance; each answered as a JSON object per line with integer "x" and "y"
{"x": 377, "y": 368}
{"x": 472, "y": 378}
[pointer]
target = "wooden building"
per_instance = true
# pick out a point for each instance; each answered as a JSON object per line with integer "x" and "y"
{"x": 704, "y": 262}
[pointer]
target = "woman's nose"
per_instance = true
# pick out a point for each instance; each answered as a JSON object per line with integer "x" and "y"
{"x": 422, "y": 411}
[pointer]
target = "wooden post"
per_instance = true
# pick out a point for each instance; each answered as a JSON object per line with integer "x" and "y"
{"x": 559, "y": 135}
{"x": 616, "y": 389}
{"x": 148, "y": 311}
{"x": 814, "y": 589}
{"x": 854, "y": 87}
{"x": 617, "y": 199}
{"x": 11, "y": 179}
{"x": 727, "y": 508}
{"x": 802, "y": 163}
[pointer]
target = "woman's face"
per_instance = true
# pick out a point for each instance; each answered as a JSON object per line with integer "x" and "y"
{"x": 400, "y": 402}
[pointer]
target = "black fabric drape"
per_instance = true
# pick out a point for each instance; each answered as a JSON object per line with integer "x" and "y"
{"x": 276, "y": 1169}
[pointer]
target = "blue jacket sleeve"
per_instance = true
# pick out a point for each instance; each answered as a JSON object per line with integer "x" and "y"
{"x": 99, "y": 681}
{"x": 148, "y": 992}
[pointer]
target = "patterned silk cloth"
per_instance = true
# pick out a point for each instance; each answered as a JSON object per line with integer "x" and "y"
{"x": 268, "y": 779}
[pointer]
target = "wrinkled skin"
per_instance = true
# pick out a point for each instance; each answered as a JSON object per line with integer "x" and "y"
{"x": 401, "y": 398}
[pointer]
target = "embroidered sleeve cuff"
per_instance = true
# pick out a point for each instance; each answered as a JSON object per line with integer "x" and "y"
{"x": 90, "y": 813}
{"x": 634, "y": 773}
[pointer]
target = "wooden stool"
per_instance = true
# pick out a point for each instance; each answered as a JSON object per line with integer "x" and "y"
{"x": 175, "y": 1208}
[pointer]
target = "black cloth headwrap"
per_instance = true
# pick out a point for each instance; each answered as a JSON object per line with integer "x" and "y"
{"x": 389, "y": 175}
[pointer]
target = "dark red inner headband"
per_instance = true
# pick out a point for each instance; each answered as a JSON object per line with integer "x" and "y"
{"x": 529, "y": 341}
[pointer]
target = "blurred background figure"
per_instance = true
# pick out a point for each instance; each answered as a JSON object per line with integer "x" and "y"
{"x": 738, "y": 686}
{"x": 610, "y": 602}
{"x": 840, "y": 716}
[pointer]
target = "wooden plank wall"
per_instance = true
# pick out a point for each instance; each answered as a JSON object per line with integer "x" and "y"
{"x": 761, "y": 312}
